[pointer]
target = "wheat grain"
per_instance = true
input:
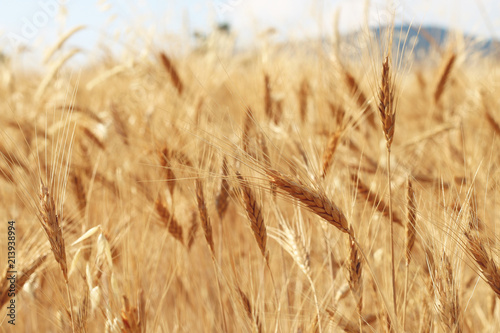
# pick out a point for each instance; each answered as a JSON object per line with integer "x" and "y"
{"x": 172, "y": 72}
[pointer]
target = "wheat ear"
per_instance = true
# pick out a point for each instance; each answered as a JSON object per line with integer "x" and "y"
{"x": 222, "y": 198}
{"x": 205, "y": 220}
{"x": 475, "y": 245}
{"x": 172, "y": 72}
{"x": 387, "y": 112}
{"x": 49, "y": 220}
{"x": 331, "y": 147}
{"x": 174, "y": 228}
{"x": 315, "y": 200}
{"x": 444, "y": 78}
{"x": 410, "y": 237}
{"x": 268, "y": 106}
{"x": 23, "y": 277}
{"x": 207, "y": 228}
{"x": 254, "y": 214}
{"x": 302, "y": 95}
{"x": 354, "y": 269}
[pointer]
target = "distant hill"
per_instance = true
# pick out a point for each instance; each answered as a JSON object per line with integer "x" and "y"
{"x": 417, "y": 42}
{"x": 424, "y": 39}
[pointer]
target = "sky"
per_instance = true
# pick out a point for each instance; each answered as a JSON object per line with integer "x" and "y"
{"x": 126, "y": 24}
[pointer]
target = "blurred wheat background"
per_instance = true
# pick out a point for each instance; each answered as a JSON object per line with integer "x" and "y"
{"x": 329, "y": 184}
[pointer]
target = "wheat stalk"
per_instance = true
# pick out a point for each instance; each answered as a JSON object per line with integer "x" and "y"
{"x": 23, "y": 277}
{"x": 268, "y": 106}
{"x": 302, "y": 96}
{"x": 80, "y": 192}
{"x": 254, "y": 214}
{"x": 193, "y": 229}
{"x": 52, "y": 73}
{"x": 410, "y": 237}
{"x": 172, "y": 72}
{"x": 205, "y": 220}
{"x": 489, "y": 269}
{"x": 327, "y": 157}
{"x": 49, "y": 220}
{"x": 354, "y": 268}
{"x": 222, "y": 197}
{"x": 444, "y": 78}
{"x": 174, "y": 228}
{"x": 387, "y": 112}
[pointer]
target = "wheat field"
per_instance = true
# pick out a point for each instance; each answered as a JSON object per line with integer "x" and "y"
{"x": 278, "y": 190}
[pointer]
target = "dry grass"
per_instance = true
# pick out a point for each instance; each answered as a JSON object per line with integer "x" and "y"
{"x": 282, "y": 164}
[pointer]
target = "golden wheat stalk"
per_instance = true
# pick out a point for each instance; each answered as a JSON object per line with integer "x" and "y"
{"x": 52, "y": 73}
{"x": 444, "y": 78}
{"x": 354, "y": 269}
{"x": 193, "y": 229}
{"x": 23, "y": 276}
{"x": 476, "y": 247}
{"x": 174, "y": 228}
{"x": 302, "y": 96}
{"x": 254, "y": 214}
{"x": 266, "y": 158}
{"x": 331, "y": 147}
{"x": 247, "y": 127}
{"x": 80, "y": 192}
{"x": 315, "y": 200}
{"x": 172, "y": 72}
{"x": 268, "y": 105}
{"x": 49, "y": 220}
{"x": 447, "y": 300}
{"x": 222, "y": 197}
{"x": 82, "y": 315}
{"x": 205, "y": 220}
{"x": 386, "y": 107}
{"x": 489, "y": 269}
{"x": 293, "y": 241}
{"x": 120, "y": 125}
{"x": 387, "y": 112}
{"x": 410, "y": 237}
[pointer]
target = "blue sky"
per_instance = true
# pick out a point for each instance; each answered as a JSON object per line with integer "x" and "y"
{"x": 116, "y": 24}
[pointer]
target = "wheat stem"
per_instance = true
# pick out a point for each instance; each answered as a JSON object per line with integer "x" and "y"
{"x": 393, "y": 274}
{"x": 70, "y": 307}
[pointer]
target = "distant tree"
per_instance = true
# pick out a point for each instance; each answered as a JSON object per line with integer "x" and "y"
{"x": 224, "y": 27}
